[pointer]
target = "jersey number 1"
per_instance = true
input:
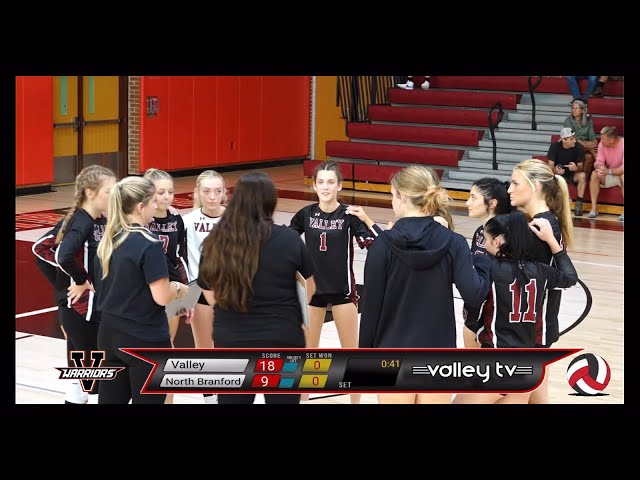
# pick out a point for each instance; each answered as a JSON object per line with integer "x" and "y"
{"x": 323, "y": 242}
{"x": 516, "y": 300}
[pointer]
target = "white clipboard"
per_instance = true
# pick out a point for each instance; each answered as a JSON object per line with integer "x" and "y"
{"x": 301, "y": 289}
{"x": 185, "y": 303}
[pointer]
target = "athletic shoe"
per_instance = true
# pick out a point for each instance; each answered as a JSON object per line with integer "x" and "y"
{"x": 406, "y": 86}
{"x": 579, "y": 208}
{"x": 75, "y": 395}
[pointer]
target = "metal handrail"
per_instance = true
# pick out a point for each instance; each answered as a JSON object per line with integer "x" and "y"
{"x": 532, "y": 88}
{"x": 492, "y": 127}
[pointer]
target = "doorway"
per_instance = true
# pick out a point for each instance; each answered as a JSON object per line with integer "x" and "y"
{"x": 90, "y": 125}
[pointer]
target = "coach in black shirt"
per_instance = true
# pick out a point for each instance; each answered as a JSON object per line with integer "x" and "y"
{"x": 248, "y": 269}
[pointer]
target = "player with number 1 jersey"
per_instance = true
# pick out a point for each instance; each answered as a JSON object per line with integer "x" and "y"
{"x": 329, "y": 232}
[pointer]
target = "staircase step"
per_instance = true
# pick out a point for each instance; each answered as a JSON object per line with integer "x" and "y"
{"x": 548, "y": 100}
{"x": 437, "y": 116}
{"x": 540, "y": 117}
{"x": 451, "y": 98}
{"x": 469, "y": 165}
{"x": 531, "y": 136}
{"x": 476, "y": 174}
{"x": 417, "y": 134}
{"x": 527, "y": 107}
{"x": 504, "y": 157}
{"x": 504, "y": 144}
{"x": 541, "y": 127}
{"x": 394, "y": 153}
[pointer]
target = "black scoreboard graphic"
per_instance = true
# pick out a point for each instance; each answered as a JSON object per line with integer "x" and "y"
{"x": 345, "y": 370}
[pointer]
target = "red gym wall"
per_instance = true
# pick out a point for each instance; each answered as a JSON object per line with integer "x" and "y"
{"x": 215, "y": 121}
{"x": 34, "y": 130}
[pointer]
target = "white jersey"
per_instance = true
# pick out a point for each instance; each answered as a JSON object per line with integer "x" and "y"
{"x": 197, "y": 226}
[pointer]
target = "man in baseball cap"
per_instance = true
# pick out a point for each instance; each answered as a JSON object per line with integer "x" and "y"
{"x": 566, "y": 158}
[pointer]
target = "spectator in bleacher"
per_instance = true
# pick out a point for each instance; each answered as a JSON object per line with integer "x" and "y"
{"x": 575, "y": 88}
{"x": 409, "y": 85}
{"x": 566, "y": 158}
{"x": 609, "y": 167}
{"x": 599, "y": 91}
{"x": 580, "y": 122}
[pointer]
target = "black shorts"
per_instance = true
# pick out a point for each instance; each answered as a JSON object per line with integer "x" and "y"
{"x": 571, "y": 178}
{"x": 324, "y": 301}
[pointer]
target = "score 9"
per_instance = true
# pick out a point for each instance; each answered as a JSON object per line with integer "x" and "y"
{"x": 265, "y": 381}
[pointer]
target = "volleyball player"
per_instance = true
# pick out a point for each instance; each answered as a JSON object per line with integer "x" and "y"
{"x": 539, "y": 193}
{"x": 488, "y": 197}
{"x": 77, "y": 241}
{"x": 44, "y": 250}
{"x": 329, "y": 232}
{"x": 518, "y": 288}
{"x": 169, "y": 228}
{"x": 208, "y": 198}
{"x": 409, "y": 275}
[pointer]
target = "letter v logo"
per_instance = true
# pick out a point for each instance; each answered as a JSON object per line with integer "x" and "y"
{"x": 77, "y": 357}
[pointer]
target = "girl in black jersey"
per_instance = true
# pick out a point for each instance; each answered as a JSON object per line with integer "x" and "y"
{"x": 539, "y": 193}
{"x": 488, "y": 197}
{"x": 329, "y": 232}
{"x": 518, "y": 288}
{"x": 44, "y": 250}
{"x": 132, "y": 285}
{"x": 169, "y": 228}
{"x": 76, "y": 244}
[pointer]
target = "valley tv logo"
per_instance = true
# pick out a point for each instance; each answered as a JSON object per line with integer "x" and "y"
{"x": 88, "y": 374}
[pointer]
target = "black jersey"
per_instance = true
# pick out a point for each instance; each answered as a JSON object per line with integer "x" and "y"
{"x": 75, "y": 255}
{"x": 473, "y": 322}
{"x": 478, "y": 242}
{"x": 329, "y": 239}
{"x": 170, "y": 230}
{"x": 547, "y": 324}
{"x": 44, "y": 250}
{"x": 516, "y": 297}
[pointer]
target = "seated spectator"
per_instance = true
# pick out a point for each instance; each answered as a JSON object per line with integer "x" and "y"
{"x": 575, "y": 88}
{"x": 582, "y": 124}
{"x": 609, "y": 167}
{"x": 599, "y": 91}
{"x": 411, "y": 78}
{"x": 566, "y": 158}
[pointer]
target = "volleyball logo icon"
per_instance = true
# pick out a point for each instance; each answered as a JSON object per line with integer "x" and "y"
{"x": 589, "y": 374}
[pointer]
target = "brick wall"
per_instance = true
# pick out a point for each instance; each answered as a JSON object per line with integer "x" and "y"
{"x": 134, "y": 125}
